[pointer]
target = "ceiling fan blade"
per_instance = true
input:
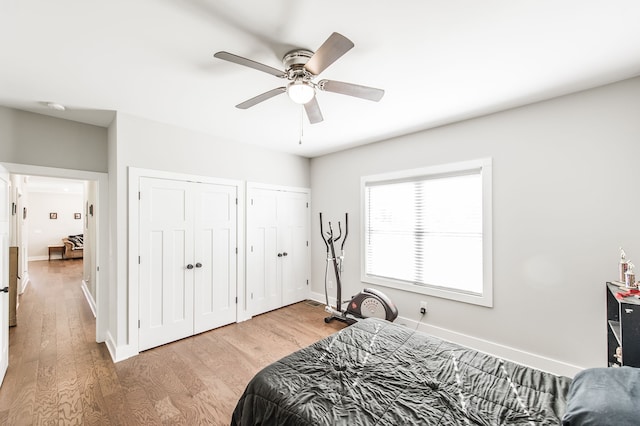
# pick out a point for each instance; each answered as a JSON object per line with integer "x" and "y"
{"x": 261, "y": 98}
{"x": 364, "y": 92}
{"x": 313, "y": 111}
{"x": 249, "y": 63}
{"x": 333, "y": 48}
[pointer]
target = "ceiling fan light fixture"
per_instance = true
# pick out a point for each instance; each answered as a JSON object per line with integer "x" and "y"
{"x": 300, "y": 92}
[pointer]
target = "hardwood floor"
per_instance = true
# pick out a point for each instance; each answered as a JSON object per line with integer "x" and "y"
{"x": 58, "y": 374}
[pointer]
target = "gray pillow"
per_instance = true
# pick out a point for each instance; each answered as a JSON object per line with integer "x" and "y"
{"x": 604, "y": 396}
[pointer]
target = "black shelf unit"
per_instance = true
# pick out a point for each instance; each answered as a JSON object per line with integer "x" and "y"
{"x": 623, "y": 327}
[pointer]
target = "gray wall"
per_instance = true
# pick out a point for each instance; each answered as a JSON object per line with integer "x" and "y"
{"x": 39, "y": 140}
{"x": 565, "y": 197}
{"x": 152, "y": 145}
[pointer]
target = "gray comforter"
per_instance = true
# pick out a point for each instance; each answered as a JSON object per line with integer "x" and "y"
{"x": 380, "y": 373}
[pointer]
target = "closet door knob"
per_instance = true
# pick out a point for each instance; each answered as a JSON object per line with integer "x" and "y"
{"x": 285, "y": 254}
{"x": 279, "y": 254}
{"x": 189, "y": 266}
{"x": 198, "y": 265}
{"x": 5, "y": 290}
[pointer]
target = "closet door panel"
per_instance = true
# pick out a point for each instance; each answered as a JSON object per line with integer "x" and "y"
{"x": 295, "y": 267}
{"x": 215, "y": 252}
{"x": 264, "y": 290}
{"x": 166, "y": 289}
{"x": 293, "y": 214}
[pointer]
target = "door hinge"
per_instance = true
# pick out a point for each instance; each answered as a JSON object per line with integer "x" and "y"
{"x": 251, "y": 249}
{"x": 138, "y": 323}
{"x": 236, "y": 250}
{"x": 97, "y": 268}
{"x": 138, "y": 260}
{"x": 307, "y": 282}
{"x": 252, "y": 201}
{"x": 251, "y": 296}
{"x": 236, "y": 300}
{"x": 139, "y": 196}
{"x": 236, "y": 201}
{"x": 307, "y": 243}
{"x": 307, "y": 205}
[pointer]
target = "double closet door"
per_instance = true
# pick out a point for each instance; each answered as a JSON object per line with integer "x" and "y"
{"x": 187, "y": 259}
{"x": 277, "y": 248}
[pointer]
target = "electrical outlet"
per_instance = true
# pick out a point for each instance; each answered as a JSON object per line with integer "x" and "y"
{"x": 423, "y": 308}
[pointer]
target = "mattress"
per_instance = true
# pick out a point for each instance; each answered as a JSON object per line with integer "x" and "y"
{"x": 380, "y": 373}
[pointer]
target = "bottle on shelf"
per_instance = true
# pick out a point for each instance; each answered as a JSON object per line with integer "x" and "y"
{"x": 630, "y": 276}
{"x": 622, "y": 265}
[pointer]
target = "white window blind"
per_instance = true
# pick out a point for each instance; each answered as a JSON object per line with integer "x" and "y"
{"x": 426, "y": 231}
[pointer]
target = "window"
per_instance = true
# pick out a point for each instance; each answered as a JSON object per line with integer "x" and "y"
{"x": 429, "y": 231}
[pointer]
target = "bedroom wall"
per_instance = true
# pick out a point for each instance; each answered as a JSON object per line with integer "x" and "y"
{"x": 39, "y": 140}
{"x": 141, "y": 143}
{"x": 565, "y": 197}
{"x": 44, "y": 231}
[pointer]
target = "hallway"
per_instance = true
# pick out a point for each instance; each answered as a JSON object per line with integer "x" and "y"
{"x": 52, "y": 351}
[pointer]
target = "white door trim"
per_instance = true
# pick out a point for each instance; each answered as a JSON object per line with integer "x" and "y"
{"x": 134, "y": 176}
{"x": 102, "y": 234}
{"x": 5, "y": 219}
{"x": 257, "y": 185}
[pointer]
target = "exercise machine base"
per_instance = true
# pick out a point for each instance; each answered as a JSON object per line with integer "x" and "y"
{"x": 338, "y": 316}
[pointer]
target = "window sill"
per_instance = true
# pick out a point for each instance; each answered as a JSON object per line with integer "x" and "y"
{"x": 474, "y": 299}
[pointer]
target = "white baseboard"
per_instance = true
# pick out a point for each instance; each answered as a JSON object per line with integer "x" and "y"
{"x": 111, "y": 346}
{"x": 318, "y": 297}
{"x": 119, "y": 353}
{"x": 24, "y": 282}
{"x": 501, "y": 351}
{"x": 32, "y": 258}
{"x": 89, "y": 297}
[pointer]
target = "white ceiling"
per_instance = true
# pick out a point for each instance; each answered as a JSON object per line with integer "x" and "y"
{"x": 438, "y": 61}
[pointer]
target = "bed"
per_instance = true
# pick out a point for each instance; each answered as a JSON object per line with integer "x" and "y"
{"x": 377, "y": 372}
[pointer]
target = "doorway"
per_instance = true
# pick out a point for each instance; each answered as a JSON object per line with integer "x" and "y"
{"x": 99, "y": 276}
{"x": 55, "y": 223}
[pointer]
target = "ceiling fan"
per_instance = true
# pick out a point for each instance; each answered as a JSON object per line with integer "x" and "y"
{"x": 301, "y": 68}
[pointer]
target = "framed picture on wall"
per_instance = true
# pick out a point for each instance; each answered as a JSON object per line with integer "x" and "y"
{"x": 77, "y": 215}
{"x": 53, "y": 215}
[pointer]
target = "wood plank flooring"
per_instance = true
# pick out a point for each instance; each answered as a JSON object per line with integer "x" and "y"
{"x": 59, "y": 375}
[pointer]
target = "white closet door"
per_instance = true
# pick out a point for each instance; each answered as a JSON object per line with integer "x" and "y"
{"x": 166, "y": 248}
{"x": 293, "y": 217}
{"x": 278, "y": 251}
{"x": 264, "y": 290}
{"x": 215, "y": 256}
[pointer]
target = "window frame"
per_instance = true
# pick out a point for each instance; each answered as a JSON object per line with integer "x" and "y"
{"x": 484, "y": 166}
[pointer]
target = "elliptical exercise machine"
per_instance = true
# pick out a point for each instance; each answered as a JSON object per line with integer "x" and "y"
{"x": 367, "y": 303}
